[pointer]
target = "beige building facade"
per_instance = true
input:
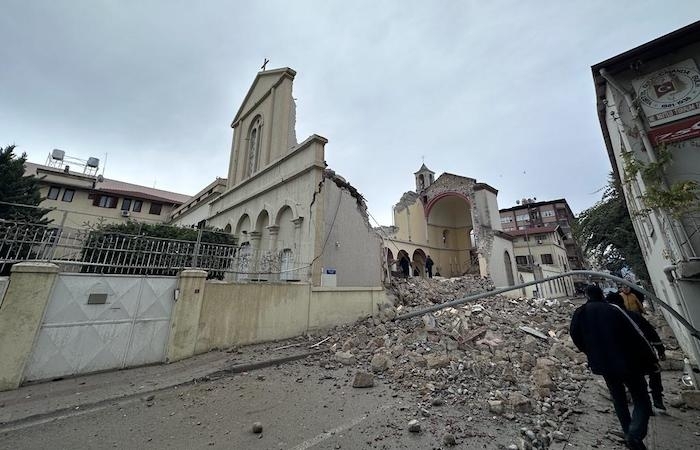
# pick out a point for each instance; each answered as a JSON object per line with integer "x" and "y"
{"x": 529, "y": 214}
{"x": 293, "y": 218}
{"x": 83, "y": 200}
{"x": 542, "y": 252}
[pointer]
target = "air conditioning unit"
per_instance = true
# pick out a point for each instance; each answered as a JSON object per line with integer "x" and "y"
{"x": 125, "y": 213}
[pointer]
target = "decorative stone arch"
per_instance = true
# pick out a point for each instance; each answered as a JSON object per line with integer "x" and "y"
{"x": 391, "y": 263}
{"x": 243, "y": 226}
{"x": 286, "y": 204}
{"x": 403, "y": 254}
{"x": 418, "y": 262}
{"x": 431, "y": 202}
{"x": 262, "y": 221}
{"x": 510, "y": 278}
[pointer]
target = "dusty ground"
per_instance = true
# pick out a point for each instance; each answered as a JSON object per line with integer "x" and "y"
{"x": 302, "y": 405}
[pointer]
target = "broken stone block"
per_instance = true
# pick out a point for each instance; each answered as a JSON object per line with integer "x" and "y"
{"x": 380, "y": 363}
{"x": 345, "y": 358}
{"x": 363, "y": 380}
{"x": 449, "y": 440}
{"x": 519, "y": 403}
{"x": 542, "y": 379}
{"x": 437, "y": 361}
{"x": 414, "y": 426}
{"x": 257, "y": 428}
{"x": 691, "y": 398}
{"x": 496, "y": 406}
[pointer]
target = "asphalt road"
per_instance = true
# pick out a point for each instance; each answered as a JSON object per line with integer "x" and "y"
{"x": 304, "y": 405}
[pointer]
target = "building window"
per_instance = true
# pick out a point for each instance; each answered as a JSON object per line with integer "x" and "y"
{"x": 506, "y": 219}
{"x": 155, "y": 208}
{"x": 521, "y": 260}
{"x": 541, "y": 237}
{"x": 254, "y": 136}
{"x": 548, "y": 213}
{"x": 68, "y": 195}
{"x": 522, "y": 217}
{"x": 137, "y": 205}
{"x": 105, "y": 201}
{"x": 126, "y": 204}
{"x": 53, "y": 193}
{"x": 547, "y": 258}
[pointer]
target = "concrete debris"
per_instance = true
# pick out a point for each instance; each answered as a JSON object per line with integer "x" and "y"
{"x": 532, "y": 331}
{"x": 490, "y": 359}
{"x": 345, "y": 358}
{"x": 414, "y": 426}
{"x": 449, "y": 440}
{"x": 257, "y": 427}
{"x": 363, "y": 380}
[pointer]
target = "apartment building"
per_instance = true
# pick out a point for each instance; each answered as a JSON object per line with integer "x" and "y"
{"x": 541, "y": 253}
{"x": 79, "y": 198}
{"x": 530, "y": 213}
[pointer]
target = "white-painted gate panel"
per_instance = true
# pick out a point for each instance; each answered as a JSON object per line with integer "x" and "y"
{"x": 130, "y": 329}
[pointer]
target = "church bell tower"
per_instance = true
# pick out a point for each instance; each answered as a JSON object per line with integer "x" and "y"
{"x": 424, "y": 178}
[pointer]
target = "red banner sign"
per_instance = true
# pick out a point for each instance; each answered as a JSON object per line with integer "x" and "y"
{"x": 675, "y": 132}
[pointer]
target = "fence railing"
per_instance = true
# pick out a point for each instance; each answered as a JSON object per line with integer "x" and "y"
{"x": 96, "y": 251}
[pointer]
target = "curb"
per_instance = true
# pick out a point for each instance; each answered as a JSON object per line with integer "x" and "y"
{"x": 84, "y": 408}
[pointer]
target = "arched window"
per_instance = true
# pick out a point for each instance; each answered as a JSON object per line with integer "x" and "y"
{"x": 254, "y": 139}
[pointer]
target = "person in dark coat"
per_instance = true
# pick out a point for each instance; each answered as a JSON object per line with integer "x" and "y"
{"x": 617, "y": 350}
{"x": 404, "y": 266}
{"x": 429, "y": 266}
{"x": 655, "y": 385}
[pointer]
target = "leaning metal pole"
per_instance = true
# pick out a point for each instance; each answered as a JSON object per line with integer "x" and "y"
{"x": 460, "y": 301}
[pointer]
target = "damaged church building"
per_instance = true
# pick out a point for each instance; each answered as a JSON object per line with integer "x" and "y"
{"x": 295, "y": 219}
{"x": 454, "y": 220}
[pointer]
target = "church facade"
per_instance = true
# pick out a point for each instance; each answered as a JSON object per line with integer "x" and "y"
{"x": 294, "y": 219}
{"x": 454, "y": 220}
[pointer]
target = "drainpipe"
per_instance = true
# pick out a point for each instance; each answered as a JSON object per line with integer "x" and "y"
{"x": 649, "y": 148}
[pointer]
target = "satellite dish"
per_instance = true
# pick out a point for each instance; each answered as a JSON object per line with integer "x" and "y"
{"x": 100, "y": 178}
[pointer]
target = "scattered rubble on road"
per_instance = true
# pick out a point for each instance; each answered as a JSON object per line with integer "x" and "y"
{"x": 497, "y": 359}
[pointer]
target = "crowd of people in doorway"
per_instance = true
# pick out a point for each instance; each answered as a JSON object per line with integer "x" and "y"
{"x": 623, "y": 347}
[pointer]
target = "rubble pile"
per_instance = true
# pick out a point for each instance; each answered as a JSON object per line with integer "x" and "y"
{"x": 483, "y": 357}
{"x": 424, "y": 291}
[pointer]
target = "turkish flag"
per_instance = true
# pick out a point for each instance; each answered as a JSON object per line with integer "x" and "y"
{"x": 664, "y": 88}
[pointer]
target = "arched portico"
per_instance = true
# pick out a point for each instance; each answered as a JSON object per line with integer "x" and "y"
{"x": 449, "y": 223}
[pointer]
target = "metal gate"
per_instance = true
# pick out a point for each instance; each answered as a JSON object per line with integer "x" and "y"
{"x": 101, "y": 322}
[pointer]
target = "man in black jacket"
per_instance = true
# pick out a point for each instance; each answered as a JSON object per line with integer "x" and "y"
{"x": 655, "y": 385}
{"x": 617, "y": 350}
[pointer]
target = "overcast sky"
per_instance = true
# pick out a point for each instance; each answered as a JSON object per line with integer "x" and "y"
{"x": 500, "y": 91}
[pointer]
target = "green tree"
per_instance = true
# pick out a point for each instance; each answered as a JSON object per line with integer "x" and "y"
{"x": 606, "y": 234}
{"x": 18, "y": 189}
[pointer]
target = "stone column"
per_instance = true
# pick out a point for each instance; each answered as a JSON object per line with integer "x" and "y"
{"x": 21, "y": 314}
{"x": 256, "y": 253}
{"x": 297, "y": 247}
{"x": 273, "y": 231}
{"x": 184, "y": 328}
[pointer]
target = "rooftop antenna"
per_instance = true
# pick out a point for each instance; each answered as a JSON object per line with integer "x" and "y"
{"x": 264, "y": 64}
{"x": 104, "y": 165}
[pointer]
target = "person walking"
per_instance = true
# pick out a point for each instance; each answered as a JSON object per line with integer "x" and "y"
{"x": 404, "y": 263}
{"x": 429, "y": 266}
{"x": 632, "y": 302}
{"x": 617, "y": 350}
{"x": 655, "y": 385}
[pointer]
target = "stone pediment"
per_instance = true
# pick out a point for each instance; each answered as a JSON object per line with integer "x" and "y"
{"x": 262, "y": 84}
